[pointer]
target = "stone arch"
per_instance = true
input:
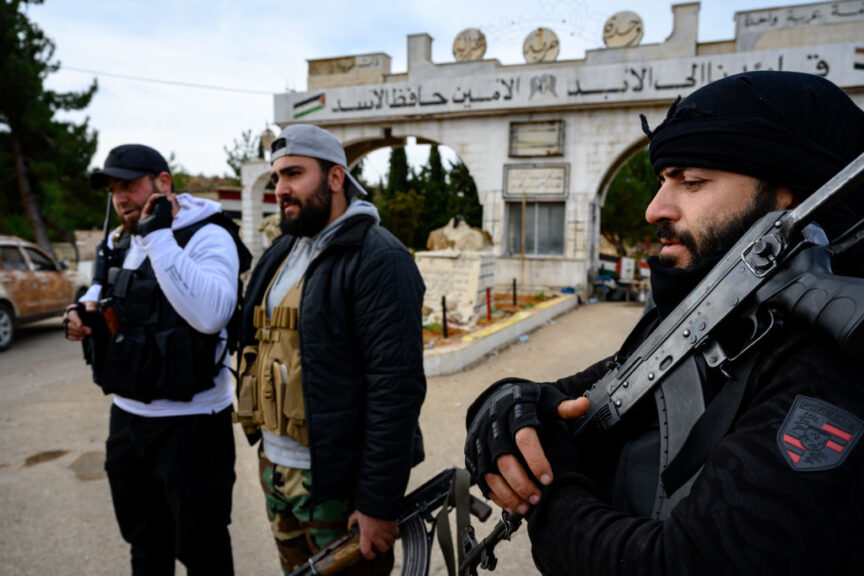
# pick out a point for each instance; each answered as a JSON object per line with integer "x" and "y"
{"x": 615, "y": 167}
{"x": 357, "y": 150}
{"x": 600, "y": 199}
{"x": 360, "y": 141}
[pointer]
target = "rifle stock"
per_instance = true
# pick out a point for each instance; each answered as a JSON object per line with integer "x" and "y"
{"x": 336, "y": 556}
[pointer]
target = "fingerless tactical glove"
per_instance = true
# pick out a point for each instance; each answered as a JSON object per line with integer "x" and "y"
{"x": 494, "y": 418}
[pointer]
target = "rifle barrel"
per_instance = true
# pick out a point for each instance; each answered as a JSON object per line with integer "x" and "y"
{"x": 106, "y": 227}
{"x": 849, "y": 178}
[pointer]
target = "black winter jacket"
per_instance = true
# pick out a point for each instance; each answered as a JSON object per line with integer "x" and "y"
{"x": 749, "y": 511}
{"x": 361, "y": 352}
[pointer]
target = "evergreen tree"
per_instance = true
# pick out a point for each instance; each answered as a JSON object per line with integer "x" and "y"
{"x": 47, "y": 159}
{"x": 404, "y": 209}
{"x": 399, "y": 174}
{"x": 436, "y": 198}
{"x": 463, "y": 198}
{"x": 398, "y": 181}
{"x": 412, "y": 215}
{"x": 376, "y": 196}
{"x": 622, "y": 219}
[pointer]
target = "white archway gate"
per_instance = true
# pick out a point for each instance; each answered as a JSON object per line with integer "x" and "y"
{"x": 543, "y": 140}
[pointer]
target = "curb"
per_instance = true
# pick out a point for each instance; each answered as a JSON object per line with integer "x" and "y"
{"x": 474, "y": 347}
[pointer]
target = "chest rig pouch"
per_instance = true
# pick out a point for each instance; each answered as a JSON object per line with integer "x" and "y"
{"x": 270, "y": 394}
{"x": 156, "y": 354}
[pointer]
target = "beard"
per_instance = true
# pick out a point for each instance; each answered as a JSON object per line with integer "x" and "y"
{"x": 312, "y": 216}
{"x": 718, "y": 237}
{"x": 130, "y": 225}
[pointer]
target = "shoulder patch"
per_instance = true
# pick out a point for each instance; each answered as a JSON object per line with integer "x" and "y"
{"x": 817, "y": 435}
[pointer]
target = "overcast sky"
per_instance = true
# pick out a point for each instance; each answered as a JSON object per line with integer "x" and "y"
{"x": 253, "y": 49}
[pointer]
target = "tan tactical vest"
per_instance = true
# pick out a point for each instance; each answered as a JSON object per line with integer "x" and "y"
{"x": 270, "y": 394}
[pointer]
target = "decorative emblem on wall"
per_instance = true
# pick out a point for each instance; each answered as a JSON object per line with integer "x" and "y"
{"x": 541, "y": 45}
{"x": 470, "y": 44}
{"x": 543, "y": 85}
{"x": 623, "y": 29}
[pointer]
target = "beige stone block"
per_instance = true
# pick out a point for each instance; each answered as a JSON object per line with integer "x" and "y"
{"x": 461, "y": 277}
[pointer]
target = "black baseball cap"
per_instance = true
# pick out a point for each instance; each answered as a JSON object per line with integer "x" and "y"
{"x": 128, "y": 162}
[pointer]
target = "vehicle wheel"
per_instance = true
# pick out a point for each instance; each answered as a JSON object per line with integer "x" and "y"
{"x": 7, "y": 326}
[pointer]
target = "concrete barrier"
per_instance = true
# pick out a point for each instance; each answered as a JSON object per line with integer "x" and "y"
{"x": 475, "y": 346}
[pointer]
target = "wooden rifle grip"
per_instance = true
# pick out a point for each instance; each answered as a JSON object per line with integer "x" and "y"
{"x": 109, "y": 313}
{"x": 340, "y": 558}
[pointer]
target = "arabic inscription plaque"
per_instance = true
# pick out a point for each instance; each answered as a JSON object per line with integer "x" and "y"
{"x": 536, "y": 139}
{"x": 470, "y": 44}
{"x": 535, "y": 180}
{"x": 541, "y": 45}
{"x": 623, "y": 29}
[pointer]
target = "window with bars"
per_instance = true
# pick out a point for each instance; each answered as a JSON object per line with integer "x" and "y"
{"x": 544, "y": 228}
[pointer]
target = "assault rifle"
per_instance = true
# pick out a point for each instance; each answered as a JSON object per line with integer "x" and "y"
{"x": 105, "y": 256}
{"x": 779, "y": 260}
{"x": 103, "y": 323}
{"x": 417, "y": 513}
{"x": 774, "y": 259}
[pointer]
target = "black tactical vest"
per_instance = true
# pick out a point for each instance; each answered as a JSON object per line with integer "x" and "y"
{"x": 155, "y": 354}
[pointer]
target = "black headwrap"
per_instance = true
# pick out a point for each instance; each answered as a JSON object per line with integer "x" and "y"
{"x": 789, "y": 128}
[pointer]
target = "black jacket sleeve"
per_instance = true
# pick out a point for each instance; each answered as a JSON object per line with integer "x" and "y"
{"x": 387, "y": 322}
{"x": 749, "y": 512}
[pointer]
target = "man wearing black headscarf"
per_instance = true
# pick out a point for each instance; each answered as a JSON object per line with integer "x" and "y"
{"x": 778, "y": 491}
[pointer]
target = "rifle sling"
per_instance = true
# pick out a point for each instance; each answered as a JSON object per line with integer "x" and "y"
{"x": 457, "y": 498}
{"x": 709, "y": 429}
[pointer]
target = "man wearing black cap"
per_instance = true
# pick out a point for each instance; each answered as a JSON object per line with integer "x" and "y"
{"x": 331, "y": 364}
{"x": 154, "y": 331}
{"x": 774, "y": 491}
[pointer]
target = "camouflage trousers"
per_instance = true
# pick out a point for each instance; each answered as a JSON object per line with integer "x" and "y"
{"x": 301, "y": 531}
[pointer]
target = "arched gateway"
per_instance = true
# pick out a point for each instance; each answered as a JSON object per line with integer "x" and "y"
{"x": 547, "y": 137}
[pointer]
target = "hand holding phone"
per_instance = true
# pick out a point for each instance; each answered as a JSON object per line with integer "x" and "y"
{"x": 161, "y": 214}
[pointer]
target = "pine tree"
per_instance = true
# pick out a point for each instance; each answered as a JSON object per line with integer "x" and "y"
{"x": 464, "y": 199}
{"x": 405, "y": 209}
{"x": 398, "y": 182}
{"x": 399, "y": 174}
{"x": 436, "y": 199}
{"x": 47, "y": 159}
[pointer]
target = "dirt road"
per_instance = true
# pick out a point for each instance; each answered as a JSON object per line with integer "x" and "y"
{"x": 55, "y": 508}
